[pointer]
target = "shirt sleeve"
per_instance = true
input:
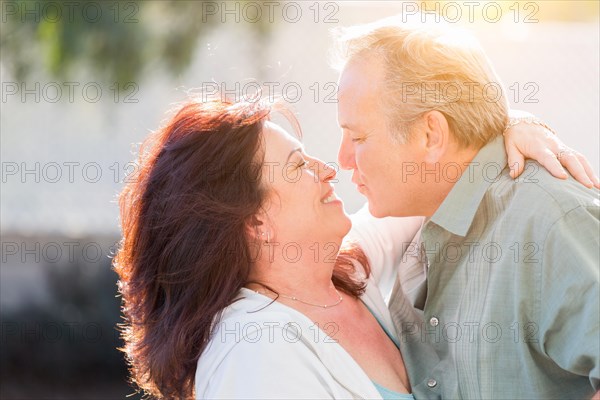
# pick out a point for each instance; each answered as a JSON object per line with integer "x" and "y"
{"x": 384, "y": 241}
{"x": 570, "y": 299}
{"x": 269, "y": 364}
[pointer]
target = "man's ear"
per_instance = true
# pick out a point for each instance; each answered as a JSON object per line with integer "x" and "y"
{"x": 437, "y": 136}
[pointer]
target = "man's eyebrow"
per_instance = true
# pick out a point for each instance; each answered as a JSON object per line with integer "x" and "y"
{"x": 292, "y": 152}
{"x": 348, "y": 127}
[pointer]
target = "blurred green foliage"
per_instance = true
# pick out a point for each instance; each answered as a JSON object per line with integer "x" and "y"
{"x": 114, "y": 40}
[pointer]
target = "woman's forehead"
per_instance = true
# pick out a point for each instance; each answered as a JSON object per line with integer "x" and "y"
{"x": 277, "y": 138}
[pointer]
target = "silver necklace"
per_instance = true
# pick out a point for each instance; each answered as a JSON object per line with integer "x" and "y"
{"x": 294, "y": 298}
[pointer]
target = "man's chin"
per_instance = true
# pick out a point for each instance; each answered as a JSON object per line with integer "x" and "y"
{"x": 382, "y": 212}
{"x": 376, "y": 211}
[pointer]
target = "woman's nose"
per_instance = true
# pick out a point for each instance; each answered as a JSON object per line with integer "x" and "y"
{"x": 329, "y": 173}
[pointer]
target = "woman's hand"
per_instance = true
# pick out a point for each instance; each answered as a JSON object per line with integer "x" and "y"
{"x": 525, "y": 140}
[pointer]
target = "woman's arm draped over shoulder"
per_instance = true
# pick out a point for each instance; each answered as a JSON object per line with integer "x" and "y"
{"x": 529, "y": 140}
{"x": 384, "y": 241}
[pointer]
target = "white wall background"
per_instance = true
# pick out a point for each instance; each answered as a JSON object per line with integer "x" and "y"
{"x": 562, "y": 59}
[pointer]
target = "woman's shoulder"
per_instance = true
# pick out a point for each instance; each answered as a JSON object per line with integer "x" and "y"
{"x": 254, "y": 340}
{"x": 257, "y": 320}
{"x": 248, "y": 315}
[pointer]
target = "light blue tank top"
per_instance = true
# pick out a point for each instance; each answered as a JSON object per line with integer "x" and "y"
{"x": 386, "y": 393}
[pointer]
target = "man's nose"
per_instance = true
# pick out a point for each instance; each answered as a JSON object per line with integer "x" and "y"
{"x": 346, "y": 154}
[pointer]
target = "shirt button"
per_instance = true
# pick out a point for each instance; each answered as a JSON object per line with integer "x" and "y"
{"x": 434, "y": 321}
{"x": 432, "y": 383}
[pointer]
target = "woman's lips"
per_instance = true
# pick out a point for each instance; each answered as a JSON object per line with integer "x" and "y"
{"x": 331, "y": 198}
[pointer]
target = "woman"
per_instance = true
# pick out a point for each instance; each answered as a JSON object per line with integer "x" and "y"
{"x": 232, "y": 281}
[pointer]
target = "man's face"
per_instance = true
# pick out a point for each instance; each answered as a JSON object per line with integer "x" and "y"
{"x": 387, "y": 173}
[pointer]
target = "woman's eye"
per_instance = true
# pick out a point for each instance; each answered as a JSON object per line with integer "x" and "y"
{"x": 302, "y": 164}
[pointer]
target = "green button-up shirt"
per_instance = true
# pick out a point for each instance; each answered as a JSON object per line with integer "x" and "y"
{"x": 512, "y": 292}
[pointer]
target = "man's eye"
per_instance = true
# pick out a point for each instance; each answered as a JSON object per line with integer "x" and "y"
{"x": 358, "y": 140}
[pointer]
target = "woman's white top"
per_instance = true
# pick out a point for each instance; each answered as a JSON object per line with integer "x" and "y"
{"x": 262, "y": 349}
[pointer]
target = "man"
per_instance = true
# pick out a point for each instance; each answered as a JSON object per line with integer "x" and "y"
{"x": 510, "y": 305}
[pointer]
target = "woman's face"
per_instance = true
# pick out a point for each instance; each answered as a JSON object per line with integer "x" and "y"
{"x": 302, "y": 206}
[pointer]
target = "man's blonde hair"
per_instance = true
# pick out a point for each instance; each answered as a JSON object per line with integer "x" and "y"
{"x": 430, "y": 68}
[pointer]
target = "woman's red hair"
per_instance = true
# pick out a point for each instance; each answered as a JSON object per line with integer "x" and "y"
{"x": 185, "y": 254}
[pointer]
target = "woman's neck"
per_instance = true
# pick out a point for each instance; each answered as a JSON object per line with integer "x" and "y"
{"x": 299, "y": 271}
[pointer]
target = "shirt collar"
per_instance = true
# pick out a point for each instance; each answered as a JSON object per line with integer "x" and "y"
{"x": 458, "y": 209}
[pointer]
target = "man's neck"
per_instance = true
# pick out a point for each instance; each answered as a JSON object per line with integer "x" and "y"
{"x": 453, "y": 166}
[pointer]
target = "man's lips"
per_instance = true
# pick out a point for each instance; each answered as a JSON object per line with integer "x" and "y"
{"x": 359, "y": 186}
{"x": 356, "y": 180}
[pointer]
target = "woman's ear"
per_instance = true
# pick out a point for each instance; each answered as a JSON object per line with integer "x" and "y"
{"x": 255, "y": 228}
{"x": 256, "y": 236}
{"x": 255, "y": 221}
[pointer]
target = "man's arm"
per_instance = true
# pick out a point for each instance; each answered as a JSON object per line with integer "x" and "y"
{"x": 570, "y": 309}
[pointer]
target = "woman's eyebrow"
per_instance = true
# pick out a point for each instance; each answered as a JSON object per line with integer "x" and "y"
{"x": 292, "y": 152}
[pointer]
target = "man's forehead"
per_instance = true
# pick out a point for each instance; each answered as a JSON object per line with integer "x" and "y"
{"x": 355, "y": 122}
{"x": 360, "y": 86}
{"x": 362, "y": 70}
{"x": 356, "y": 109}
